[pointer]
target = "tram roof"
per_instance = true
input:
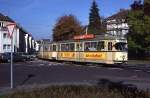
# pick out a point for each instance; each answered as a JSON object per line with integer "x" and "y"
{"x": 97, "y": 37}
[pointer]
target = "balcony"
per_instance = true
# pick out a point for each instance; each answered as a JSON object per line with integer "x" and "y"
{"x": 3, "y": 28}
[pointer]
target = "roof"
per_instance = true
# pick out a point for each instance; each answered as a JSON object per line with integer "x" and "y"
{"x": 5, "y": 18}
{"x": 8, "y": 19}
{"x": 97, "y": 37}
{"x": 120, "y": 15}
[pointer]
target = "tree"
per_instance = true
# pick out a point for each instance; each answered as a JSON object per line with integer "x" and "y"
{"x": 139, "y": 35}
{"x": 66, "y": 27}
{"x": 147, "y": 7}
{"x": 95, "y": 24}
{"x": 137, "y": 5}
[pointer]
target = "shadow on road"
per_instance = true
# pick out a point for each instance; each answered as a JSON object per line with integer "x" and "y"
{"x": 29, "y": 76}
{"x": 127, "y": 90}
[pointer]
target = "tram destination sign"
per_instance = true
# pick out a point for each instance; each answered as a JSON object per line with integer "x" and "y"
{"x": 85, "y": 36}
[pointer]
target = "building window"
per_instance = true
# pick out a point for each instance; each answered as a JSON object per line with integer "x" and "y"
{"x": 4, "y": 47}
{"x": 1, "y": 24}
{"x": 5, "y": 35}
{"x": 8, "y": 46}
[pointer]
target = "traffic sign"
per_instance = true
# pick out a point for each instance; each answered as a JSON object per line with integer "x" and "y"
{"x": 10, "y": 28}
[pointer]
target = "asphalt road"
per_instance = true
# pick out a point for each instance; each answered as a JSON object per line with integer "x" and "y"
{"x": 40, "y": 72}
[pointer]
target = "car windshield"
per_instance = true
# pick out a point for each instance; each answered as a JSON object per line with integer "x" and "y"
{"x": 122, "y": 46}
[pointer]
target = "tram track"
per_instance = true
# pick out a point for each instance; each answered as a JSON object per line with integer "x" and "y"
{"x": 136, "y": 67}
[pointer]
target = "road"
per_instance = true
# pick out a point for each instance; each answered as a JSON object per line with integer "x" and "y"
{"x": 40, "y": 72}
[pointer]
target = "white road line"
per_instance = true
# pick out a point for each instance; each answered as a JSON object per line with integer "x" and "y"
{"x": 50, "y": 64}
{"x": 77, "y": 65}
{"x": 41, "y": 64}
{"x": 92, "y": 66}
{"x": 148, "y": 71}
{"x": 115, "y": 68}
{"x": 137, "y": 70}
{"x": 98, "y": 67}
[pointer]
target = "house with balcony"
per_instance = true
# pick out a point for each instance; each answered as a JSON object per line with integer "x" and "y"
{"x": 22, "y": 40}
{"x": 117, "y": 24}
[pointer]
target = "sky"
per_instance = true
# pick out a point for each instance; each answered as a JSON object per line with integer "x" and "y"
{"x": 38, "y": 17}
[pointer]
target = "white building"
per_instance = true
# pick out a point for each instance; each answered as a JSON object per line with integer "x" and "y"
{"x": 117, "y": 24}
{"x": 22, "y": 41}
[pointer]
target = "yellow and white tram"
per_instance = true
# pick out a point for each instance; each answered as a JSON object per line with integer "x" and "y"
{"x": 87, "y": 48}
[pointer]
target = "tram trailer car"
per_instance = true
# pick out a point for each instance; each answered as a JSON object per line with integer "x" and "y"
{"x": 97, "y": 49}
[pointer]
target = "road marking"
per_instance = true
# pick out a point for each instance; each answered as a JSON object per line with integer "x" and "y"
{"x": 134, "y": 76}
{"x": 148, "y": 71}
{"x": 115, "y": 68}
{"x": 137, "y": 70}
{"x": 92, "y": 66}
{"x": 41, "y": 64}
{"x": 50, "y": 64}
{"x": 77, "y": 65}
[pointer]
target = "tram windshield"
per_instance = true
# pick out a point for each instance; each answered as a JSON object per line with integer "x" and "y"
{"x": 122, "y": 46}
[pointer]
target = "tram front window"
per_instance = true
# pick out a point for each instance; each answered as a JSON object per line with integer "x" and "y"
{"x": 121, "y": 46}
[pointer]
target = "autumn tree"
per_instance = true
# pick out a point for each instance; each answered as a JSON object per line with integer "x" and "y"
{"x": 95, "y": 24}
{"x": 66, "y": 27}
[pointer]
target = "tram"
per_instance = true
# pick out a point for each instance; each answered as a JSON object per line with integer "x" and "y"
{"x": 106, "y": 49}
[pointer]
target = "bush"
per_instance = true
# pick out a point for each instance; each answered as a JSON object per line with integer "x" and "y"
{"x": 80, "y": 92}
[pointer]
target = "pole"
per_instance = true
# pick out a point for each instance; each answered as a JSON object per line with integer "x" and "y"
{"x": 11, "y": 28}
{"x": 11, "y": 80}
{"x": 86, "y": 30}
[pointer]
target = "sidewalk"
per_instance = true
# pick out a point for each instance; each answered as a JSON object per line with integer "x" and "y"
{"x": 141, "y": 62}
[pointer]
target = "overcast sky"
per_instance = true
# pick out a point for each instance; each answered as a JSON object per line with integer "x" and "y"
{"x": 38, "y": 17}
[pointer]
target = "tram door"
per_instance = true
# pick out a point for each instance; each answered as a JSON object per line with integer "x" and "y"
{"x": 78, "y": 51}
{"x": 109, "y": 53}
{"x": 54, "y": 53}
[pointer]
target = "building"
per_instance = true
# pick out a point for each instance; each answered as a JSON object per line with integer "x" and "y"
{"x": 22, "y": 40}
{"x": 117, "y": 24}
{"x": 43, "y": 44}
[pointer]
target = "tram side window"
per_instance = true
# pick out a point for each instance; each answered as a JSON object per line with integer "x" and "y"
{"x": 49, "y": 47}
{"x": 67, "y": 47}
{"x": 54, "y": 47}
{"x": 62, "y": 47}
{"x": 109, "y": 45}
{"x": 79, "y": 47}
{"x": 58, "y": 47}
{"x": 93, "y": 46}
{"x": 87, "y": 46}
{"x": 90, "y": 46}
{"x": 45, "y": 47}
{"x": 100, "y": 45}
{"x": 72, "y": 47}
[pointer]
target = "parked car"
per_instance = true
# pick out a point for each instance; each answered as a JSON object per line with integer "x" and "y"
{"x": 6, "y": 57}
{"x": 26, "y": 56}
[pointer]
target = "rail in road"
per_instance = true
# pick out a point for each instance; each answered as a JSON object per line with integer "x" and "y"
{"x": 133, "y": 65}
{"x": 48, "y": 71}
